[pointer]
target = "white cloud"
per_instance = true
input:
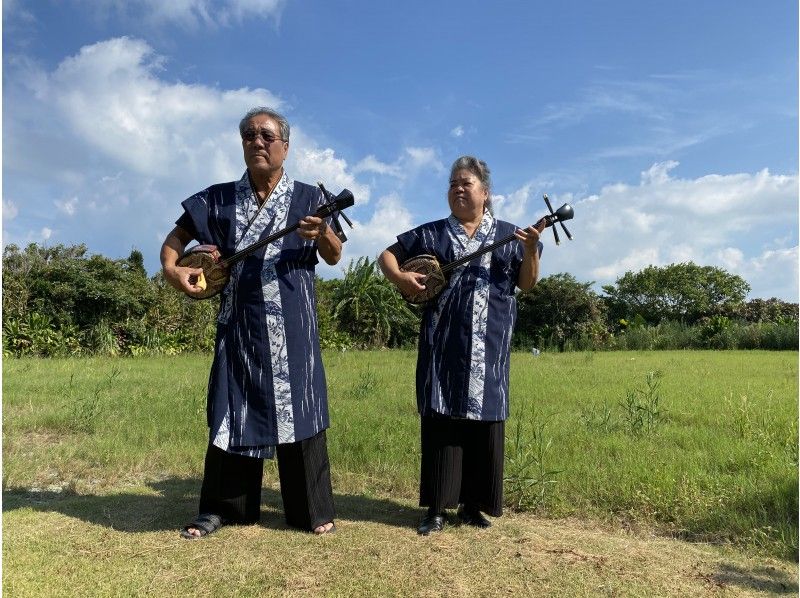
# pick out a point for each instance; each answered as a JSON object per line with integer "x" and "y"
{"x": 241, "y": 9}
{"x": 10, "y": 210}
{"x": 514, "y": 206}
{"x": 419, "y": 158}
{"x": 389, "y": 218}
{"x": 411, "y": 162}
{"x": 745, "y": 223}
{"x": 131, "y": 145}
{"x": 658, "y": 173}
{"x": 12, "y": 9}
{"x": 635, "y": 260}
{"x": 730, "y": 258}
{"x": 773, "y": 273}
{"x": 111, "y": 96}
{"x": 609, "y": 98}
{"x": 68, "y": 206}
{"x": 457, "y": 131}
{"x": 307, "y": 162}
{"x": 658, "y": 117}
{"x": 188, "y": 13}
{"x": 372, "y": 164}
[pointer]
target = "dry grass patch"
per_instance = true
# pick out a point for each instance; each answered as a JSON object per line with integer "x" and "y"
{"x": 127, "y": 544}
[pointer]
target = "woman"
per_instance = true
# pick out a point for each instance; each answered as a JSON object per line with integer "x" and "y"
{"x": 464, "y": 346}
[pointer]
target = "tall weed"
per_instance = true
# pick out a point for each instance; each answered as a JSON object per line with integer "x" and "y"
{"x": 366, "y": 385}
{"x": 756, "y": 424}
{"x": 527, "y": 478}
{"x": 84, "y": 407}
{"x": 642, "y": 411}
{"x": 599, "y": 418}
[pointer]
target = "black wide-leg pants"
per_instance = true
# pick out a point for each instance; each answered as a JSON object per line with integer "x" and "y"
{"x": 232, "y": 484}
{"x": 462, "y": 463}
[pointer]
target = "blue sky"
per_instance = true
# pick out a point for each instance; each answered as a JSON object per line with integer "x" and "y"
{"x": 671, "y": 128}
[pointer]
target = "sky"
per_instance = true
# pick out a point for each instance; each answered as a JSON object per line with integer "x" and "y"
{"x": 670, "y": 127}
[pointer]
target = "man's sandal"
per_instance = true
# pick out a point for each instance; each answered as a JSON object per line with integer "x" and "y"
{"x": 324, "y": 531}
{"x": 205, "y": 523}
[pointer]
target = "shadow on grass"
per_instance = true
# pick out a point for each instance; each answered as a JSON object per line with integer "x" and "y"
{"x": 767, "y": 515}
{"x": 173, "y": 502}
{"x": 760, "y": 579}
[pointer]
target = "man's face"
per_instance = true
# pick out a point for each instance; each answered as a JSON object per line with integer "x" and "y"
{"x": 264, "y": 150}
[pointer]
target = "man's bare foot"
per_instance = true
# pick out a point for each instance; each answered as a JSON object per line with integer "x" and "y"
{"x": 325, "y": 529}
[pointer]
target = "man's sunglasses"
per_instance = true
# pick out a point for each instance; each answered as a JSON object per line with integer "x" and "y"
{"x": 266, "y": 136}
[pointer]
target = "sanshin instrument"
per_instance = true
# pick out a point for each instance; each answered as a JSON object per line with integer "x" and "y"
{"x": 437, "y": 275}
{"x": 216, "y": 271}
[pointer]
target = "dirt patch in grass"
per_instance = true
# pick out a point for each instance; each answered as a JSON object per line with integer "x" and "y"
{"x": 32, "y": 440}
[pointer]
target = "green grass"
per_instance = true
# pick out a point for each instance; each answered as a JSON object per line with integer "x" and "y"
{"x": 721, "y": 464}
{"x": 101, "y": 446}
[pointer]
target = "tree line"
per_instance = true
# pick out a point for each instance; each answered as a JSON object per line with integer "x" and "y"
{"x": 60, "y": 301}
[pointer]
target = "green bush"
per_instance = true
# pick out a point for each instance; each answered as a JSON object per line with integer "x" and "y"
{"x": 62, "y": 301}
{"x": 37, "y": 335}
{"x": 369, "y": 310}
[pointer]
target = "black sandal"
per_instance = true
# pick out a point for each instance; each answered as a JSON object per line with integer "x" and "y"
{"x": 205, "y": 523}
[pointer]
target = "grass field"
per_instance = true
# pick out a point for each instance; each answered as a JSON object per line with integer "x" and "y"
{"x": 614, "y": 461}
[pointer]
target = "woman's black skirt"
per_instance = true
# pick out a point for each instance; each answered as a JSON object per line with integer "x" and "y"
{"x": 462, "y": 463}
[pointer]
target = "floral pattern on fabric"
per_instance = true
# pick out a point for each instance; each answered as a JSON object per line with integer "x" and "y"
{"x": 464, "y": 245}
{"x": 251, "y": 222}
{"x": 464, "y": 345}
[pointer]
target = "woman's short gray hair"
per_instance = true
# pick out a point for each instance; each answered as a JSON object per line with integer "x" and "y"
{"x": 283, "y": 124}
{"x": 480, "y": 170}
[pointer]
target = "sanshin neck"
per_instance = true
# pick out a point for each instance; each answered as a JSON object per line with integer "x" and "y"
{"x": 468, "y": 258}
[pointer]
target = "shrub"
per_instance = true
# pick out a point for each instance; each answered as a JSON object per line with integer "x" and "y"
{"x": 37, "y": 335}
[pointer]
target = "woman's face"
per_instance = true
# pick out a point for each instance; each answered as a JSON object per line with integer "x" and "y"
{"x": 466, "y": 196}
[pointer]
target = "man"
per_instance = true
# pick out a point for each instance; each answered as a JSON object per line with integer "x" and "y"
{"x": 267, "y": 392}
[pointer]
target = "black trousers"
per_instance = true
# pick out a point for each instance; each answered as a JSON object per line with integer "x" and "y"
{"x": 462, "y": 463}
{"x": 232, "y": 484}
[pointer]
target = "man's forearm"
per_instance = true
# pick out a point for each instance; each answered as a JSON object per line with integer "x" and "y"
{"x": 329, "y": 247}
